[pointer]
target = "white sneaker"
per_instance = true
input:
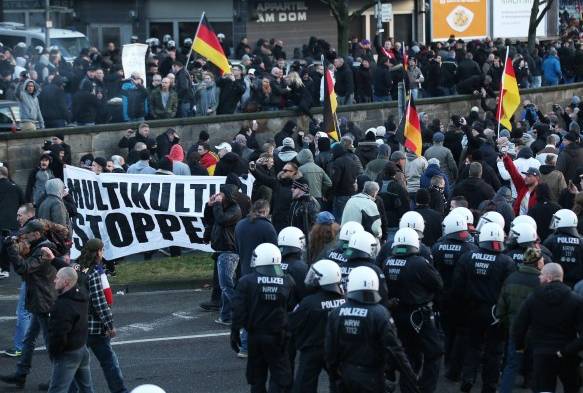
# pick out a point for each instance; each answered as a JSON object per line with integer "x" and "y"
{"x": 4, "y": 274}
{"x": 242, "y": 355}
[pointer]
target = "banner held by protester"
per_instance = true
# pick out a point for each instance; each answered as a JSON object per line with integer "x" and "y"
{"x": 137, "y": 213}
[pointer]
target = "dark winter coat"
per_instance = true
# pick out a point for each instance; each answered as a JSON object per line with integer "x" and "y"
{"x": 68, "y": 322}
{"x": 220, "y": 220}
{"x": 11, "y": 199}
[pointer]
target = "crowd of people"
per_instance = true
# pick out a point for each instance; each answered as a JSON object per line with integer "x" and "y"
{"x": 357, "y": 257}
{"x": 264, "y": 77}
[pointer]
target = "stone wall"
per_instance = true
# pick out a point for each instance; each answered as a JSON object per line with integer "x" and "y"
{"x": 21, "y": 150}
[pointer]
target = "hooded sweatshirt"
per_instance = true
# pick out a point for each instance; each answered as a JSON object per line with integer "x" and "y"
{"x": 141, "y": 168}
{"x": 177, "y": 156}
{"x": 413, "y": 170}
{"x": 29, "y": 105}
{"x": 317, "y": 179}
{"x": 52, "y": 207}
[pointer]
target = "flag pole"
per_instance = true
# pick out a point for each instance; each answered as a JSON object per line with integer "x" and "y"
{"x": 502, "y": 91}
{"x": 195, "y": 34}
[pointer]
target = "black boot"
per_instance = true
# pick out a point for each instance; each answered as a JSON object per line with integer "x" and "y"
{"x": 14, "y": 379}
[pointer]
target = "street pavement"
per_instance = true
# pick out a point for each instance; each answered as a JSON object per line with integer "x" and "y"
{"x": 163, "y": 338}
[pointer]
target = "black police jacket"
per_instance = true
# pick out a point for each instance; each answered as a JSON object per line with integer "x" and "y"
{"x": 352, "y": 263}
{"x": 308, "y": 320}
{"x": 567, "y": 251}
{"x": 298, "y": 269}
{"x": 387, "y": 251}
{"x": 362, "y": 335}
{"x": 412, "y": 280}
{"x": 261, "y": 303}
{"x": 337, "y": 255}
{"x": 446, "y": 255}
{"x": 479, "y": 276}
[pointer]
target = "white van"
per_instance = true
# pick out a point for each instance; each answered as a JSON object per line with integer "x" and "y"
{"x": 69, "y": 42}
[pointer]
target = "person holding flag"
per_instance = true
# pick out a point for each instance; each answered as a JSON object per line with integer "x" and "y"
{"x": 207, "y": 44}
{"x": 509, "y": 99}
{"x": 330, "y": 120}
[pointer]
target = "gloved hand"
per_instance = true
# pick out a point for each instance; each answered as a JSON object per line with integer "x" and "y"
{"x": 235, "y": 340}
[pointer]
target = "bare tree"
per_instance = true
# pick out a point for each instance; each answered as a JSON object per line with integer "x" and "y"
{"x": 536, "y": 17}
{"x": 344, "y": 17}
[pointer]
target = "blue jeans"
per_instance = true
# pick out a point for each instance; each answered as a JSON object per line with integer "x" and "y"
{"x": 536, "y": 81}
{"x": 244, "y": 341}
{"x": 376, "y": 98}
{"x": 338, "y": 206}
{"x": 513, "y": 362}
{"x": 345, "y": 100}
{"x": 71, "y": 366}
{"x": 184, "y": 110}
{"x": 23, "y": 318}
{"x": 101, "y": 348}
{"x": 226, "y": 265}
{"x": 38, "y": 322}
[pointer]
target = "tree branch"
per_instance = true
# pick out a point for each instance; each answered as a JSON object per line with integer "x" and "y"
{"x": 543, "y": 13}
{"x": 333, "y": 9}
{"x": 365, "y": 7}
{"x": 541, "y": 2}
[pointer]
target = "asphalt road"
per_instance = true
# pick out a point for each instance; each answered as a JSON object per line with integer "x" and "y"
{"x": 163, "y": 338}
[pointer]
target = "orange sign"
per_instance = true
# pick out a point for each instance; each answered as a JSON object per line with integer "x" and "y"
{"x": 462, "y": 18}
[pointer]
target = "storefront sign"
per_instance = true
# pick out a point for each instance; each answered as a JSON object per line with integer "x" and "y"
{"x": 463, "y": 18}
{"x": 281, "y": 11}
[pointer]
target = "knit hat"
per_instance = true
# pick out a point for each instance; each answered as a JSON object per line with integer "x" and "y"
{"x": 532, "y": 256}
{"x": 384, "y": 151}
{"x": 381, "y": 131}
{"x": 398, "y": 155}
{"x": 422, "y": 197}
{"x": 438, "y": 137}
{"x": 288, "y": 142}
{"x": 86, "y": 161}
{"x": 325, "y": 218}
{"x": 301, "y": 184}
{"x": 203, "y": 136}
{"x": 102, "y": 162}
{"x": 93, "y": 245}
{"x": 433, "y": 161}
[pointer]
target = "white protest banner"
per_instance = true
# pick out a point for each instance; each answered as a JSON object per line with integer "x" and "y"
{"x": 133, "y": 59}
{"x": 137, "y": 213}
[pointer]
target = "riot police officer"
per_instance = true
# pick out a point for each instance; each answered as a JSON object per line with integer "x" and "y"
{"x": 413, "y": 220}
{"x": 521, "y": 237}
{"x": 467, "y": 213}
{"x": 361, "y": 342}
{"x": 566, "y": 245}
{"x": 308, "y": 323}
{"x": 413, "y": 285}
{"x": 446, "y": 255}
{"x": 478, "y": 279}
{"x": 292, "y": 244}
{"x": 347, "y": 230}
{"x": 362, "y": 248}
{"x": 490, "y": 217}
{"x": 260, "y": 305}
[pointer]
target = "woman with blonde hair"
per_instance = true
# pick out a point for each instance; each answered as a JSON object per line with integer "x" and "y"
{"x": 322, "y": 237}
{"x": 299, "y": 95}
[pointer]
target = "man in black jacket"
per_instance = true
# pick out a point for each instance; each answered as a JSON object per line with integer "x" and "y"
{"x": 165, "y": 141}
{"x": 344, "y": 174}
{"x": 232, "y": 88}
{"x": 344, "y": 85}
{"x": 221, "y": 216}
{"x": 143, "y": 135}
{"x": 53, "y": 104}
{"x": 68, "y": 335}
{"x": 183, "y": 85}
{"x": 474, "y": 189}
{"x": 382, "y": 81}
{"x": 553, "y": 317}
{"x": 11, "y": 198}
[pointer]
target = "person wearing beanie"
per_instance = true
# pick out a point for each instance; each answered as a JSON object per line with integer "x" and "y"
{"x": 571, "y": 157}
{"x": 323, "y": 156}
{"x": 286, "y": 154}
{"x": 443, "y": 154}
{"x": 516, "y": 289}
{"x": 99, "y": 165}
{"x": 52, "y": 207}
{"x": 375, "y": 167}
{"x": 165, "y": 141}
{"x": 176, "y": 155}
{"x": 432, "y": 217}
{"x": 367, "y": 150}
{"x": 344, "y": 174}
{"x": 317, "y": 179}
{"x": 286, "y": 132}
{"x": 361, "y": 208}
{"x": 304, "y": 207}
{"x": 59, "y": 139}
{"x": 165, "y": 167}
{"x": 434, "y": 169}
{"x": 453, "y": 137}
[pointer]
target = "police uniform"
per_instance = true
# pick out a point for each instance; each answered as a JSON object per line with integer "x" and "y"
{"x": 446, "y": 255}
{"x": 260, "y": 305}
{"x": 293, "y": 265}
{"x": 387, "y": 250}
{"x": 308, "y": 326}
{"x": 354, "y": 262}
{"x": 415, "y": 283}
{"x": 567, "y": 251}
{"x": 517, "y": 251}
{"x": 360, "y": 343}
{"x": 478, "y": 279}
{"x": 337, "y": 255}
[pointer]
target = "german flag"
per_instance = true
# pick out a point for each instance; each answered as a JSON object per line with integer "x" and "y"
{"x": 207, "y": 44}
{"x": 412, "y": 130}
{"x": 405, "y": 57}
{"x": 509, "y": 99}
{"x": 330, "y": 104}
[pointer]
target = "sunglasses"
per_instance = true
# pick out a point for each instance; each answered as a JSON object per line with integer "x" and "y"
{"x": 288, "y": 170}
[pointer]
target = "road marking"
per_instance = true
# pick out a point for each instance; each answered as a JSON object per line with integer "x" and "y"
{"x": 161, "y": 339}
{"x": 11, "y": 318}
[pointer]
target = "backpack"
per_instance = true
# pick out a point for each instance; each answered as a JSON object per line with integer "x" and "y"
{"x": 368, "y": 221}
{"x": 390, "y": 199}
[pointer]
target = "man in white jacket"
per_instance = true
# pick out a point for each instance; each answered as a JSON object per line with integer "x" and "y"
{"x": 362, "y": 208}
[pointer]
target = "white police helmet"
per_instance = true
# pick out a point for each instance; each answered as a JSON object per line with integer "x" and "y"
{"x": 524, "y": 219}
{"x": 414, "y": 220}
{"x": 523, "y": 234}
{"x": 363, "y": 285}
{"x": 406, "y": 242}
{"x": 467, "y": 213}
{"x": 362, "y": 245}
{"x": 491, "y": 237}
{"x": 349, "y": 229}
{"x": 325, "y": 274}
{"x": 564, "y": 218}
{"x": 266, "y": 260}
{"x": 148, "y": 389}
{"x": 291, "y": 240}
{"x": 490, "y": 217}
{"x": 454, "y": 223}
